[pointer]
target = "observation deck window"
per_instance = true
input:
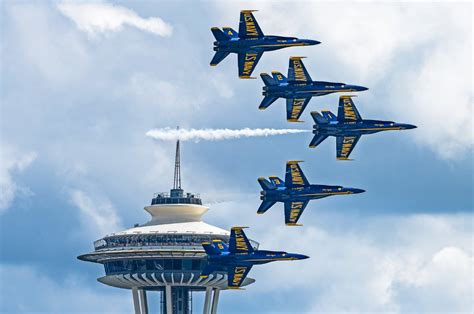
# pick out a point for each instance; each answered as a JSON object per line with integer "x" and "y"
{"x": 154, "y": 265}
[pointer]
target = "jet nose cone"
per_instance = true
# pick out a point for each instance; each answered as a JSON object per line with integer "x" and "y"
{"x": 300, "y": 256}
{"x": 311, "y": 42}
{"x": 357, "y": 191}
{"x": 360, "y": 88}
{"x": 408, "y": 126}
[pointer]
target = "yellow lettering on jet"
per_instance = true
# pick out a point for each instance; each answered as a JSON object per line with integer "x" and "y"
{"x": 347, "y": 143}
{"x": 240, "y": 241}
{"x": 297, "y": 106}
{"x": 299, "y": 73}
{"x": 238, "y": 275}
{"x": 295, "y": 211}
{"x": 296, "y": 175}
{"x": 248, "y": 63}
{"x": 250, "y": 25}
{"x": 349, "y": 113}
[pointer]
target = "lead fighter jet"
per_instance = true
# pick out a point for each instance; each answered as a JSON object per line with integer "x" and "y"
{"x": 298, "y": 89}
{"x": 249, "y": 43}
{"x": 239, "y": 257}
{"x": 295, "y": 192}
{"x": 348, "y": 127}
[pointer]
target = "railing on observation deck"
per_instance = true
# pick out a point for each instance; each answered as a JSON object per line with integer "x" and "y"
{"x": 159, "y": 241}
{"x": 166, "y": 198}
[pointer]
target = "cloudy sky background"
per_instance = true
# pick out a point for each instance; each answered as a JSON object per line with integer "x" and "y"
{"x": 81, "y": 84}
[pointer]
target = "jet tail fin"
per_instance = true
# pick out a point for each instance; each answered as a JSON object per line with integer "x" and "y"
{"x": 218, "y": 57}
{"x": 279, "y": 77}
{"x": 230, "y": 32}
{"x": 268, "y": 80}
{"x": 318, "y": 118}
{"x": 219, "y": 35}
{"x": 220, "y": 245}
{"x": 210, "y": 249}
{"x": 277, "y": 181}
{"x": 265, "y": 184}
{"x": 328, "y": 115}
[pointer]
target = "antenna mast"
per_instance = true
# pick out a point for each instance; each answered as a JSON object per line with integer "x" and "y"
{"x": 177, "y": 168}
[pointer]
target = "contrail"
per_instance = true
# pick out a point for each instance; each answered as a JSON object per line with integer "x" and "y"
{"x": 168, "y": 134}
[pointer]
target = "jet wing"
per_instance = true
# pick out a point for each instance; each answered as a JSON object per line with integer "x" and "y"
{"x": 248, "y": 26}
{"x": 238, "y": 241}
{"x": 293, "y": 211}
{"x": 236, "y": 275}
{"x": 295, "y": 107}
{"x": 294, "y": 176}
{"x": 345, "y": 145}
{"x": 347, "y": 111}
{"x": 297, "y": 71}
{"x": 247, "y": 62}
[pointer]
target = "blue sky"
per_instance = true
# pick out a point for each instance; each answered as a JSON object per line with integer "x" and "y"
{"x": 82, "y": 84}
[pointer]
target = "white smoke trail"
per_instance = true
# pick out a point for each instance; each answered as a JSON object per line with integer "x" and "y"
{"x": 168, "y": 134}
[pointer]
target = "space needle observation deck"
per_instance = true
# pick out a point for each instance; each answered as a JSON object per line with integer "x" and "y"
{"x": 165, "y": 254}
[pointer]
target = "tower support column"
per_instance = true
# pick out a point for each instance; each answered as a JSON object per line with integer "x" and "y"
{"x": 215, "y": 300}
{"x": 143, "y": 301}
{"x": 207, "y": 300}
{"x": 136, "y": 300}
{"x": 169, "y": 305}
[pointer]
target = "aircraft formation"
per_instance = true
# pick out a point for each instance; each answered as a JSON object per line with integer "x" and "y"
{"x": 238, "y": 257}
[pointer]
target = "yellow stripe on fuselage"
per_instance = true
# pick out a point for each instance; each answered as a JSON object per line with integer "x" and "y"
{"x": 282, "y": 45}
{"x": 270, "y": 259}
{"x": 327, "y": 91}
{"x": 327, "y": 193}
{"x": 376, "y": 129}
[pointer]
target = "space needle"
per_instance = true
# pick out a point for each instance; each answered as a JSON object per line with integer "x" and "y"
{"x": 164, "y": 255}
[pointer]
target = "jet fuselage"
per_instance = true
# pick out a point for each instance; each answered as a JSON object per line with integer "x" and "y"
{"x": 254, "y": 258}
{"x": 265, "y": 43}
{"x": 309, "y": 89}
{"x": 337, "y": 128}
{"x": 313, "y": 191}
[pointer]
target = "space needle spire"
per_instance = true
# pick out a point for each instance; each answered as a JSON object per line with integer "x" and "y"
{"x": 176, "y": 191}
{"x": 177, "y": 168}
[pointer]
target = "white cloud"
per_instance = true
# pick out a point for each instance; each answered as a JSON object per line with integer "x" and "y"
{"x": 25, "y": 289}
{"x": 12, "y": 161}
{"x": 418, "y": 263}
{"x": 98, "y": 216}
{"x": 440, "y": 101}
{"x": 95, "y": 18}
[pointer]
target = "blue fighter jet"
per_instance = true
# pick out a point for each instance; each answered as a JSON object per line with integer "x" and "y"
{"x": 295, "y": 192}
{"x": 298, "y": 89}
{"x": 239, "y": 257}
{"x": 348, "y": 127}
{"x": 249, "y": 43}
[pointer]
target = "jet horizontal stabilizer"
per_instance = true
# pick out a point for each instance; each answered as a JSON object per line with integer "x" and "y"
{"x": 317, "y": 139}
{"x": 266, "y": 205}
{"x": 218, "y": 57}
